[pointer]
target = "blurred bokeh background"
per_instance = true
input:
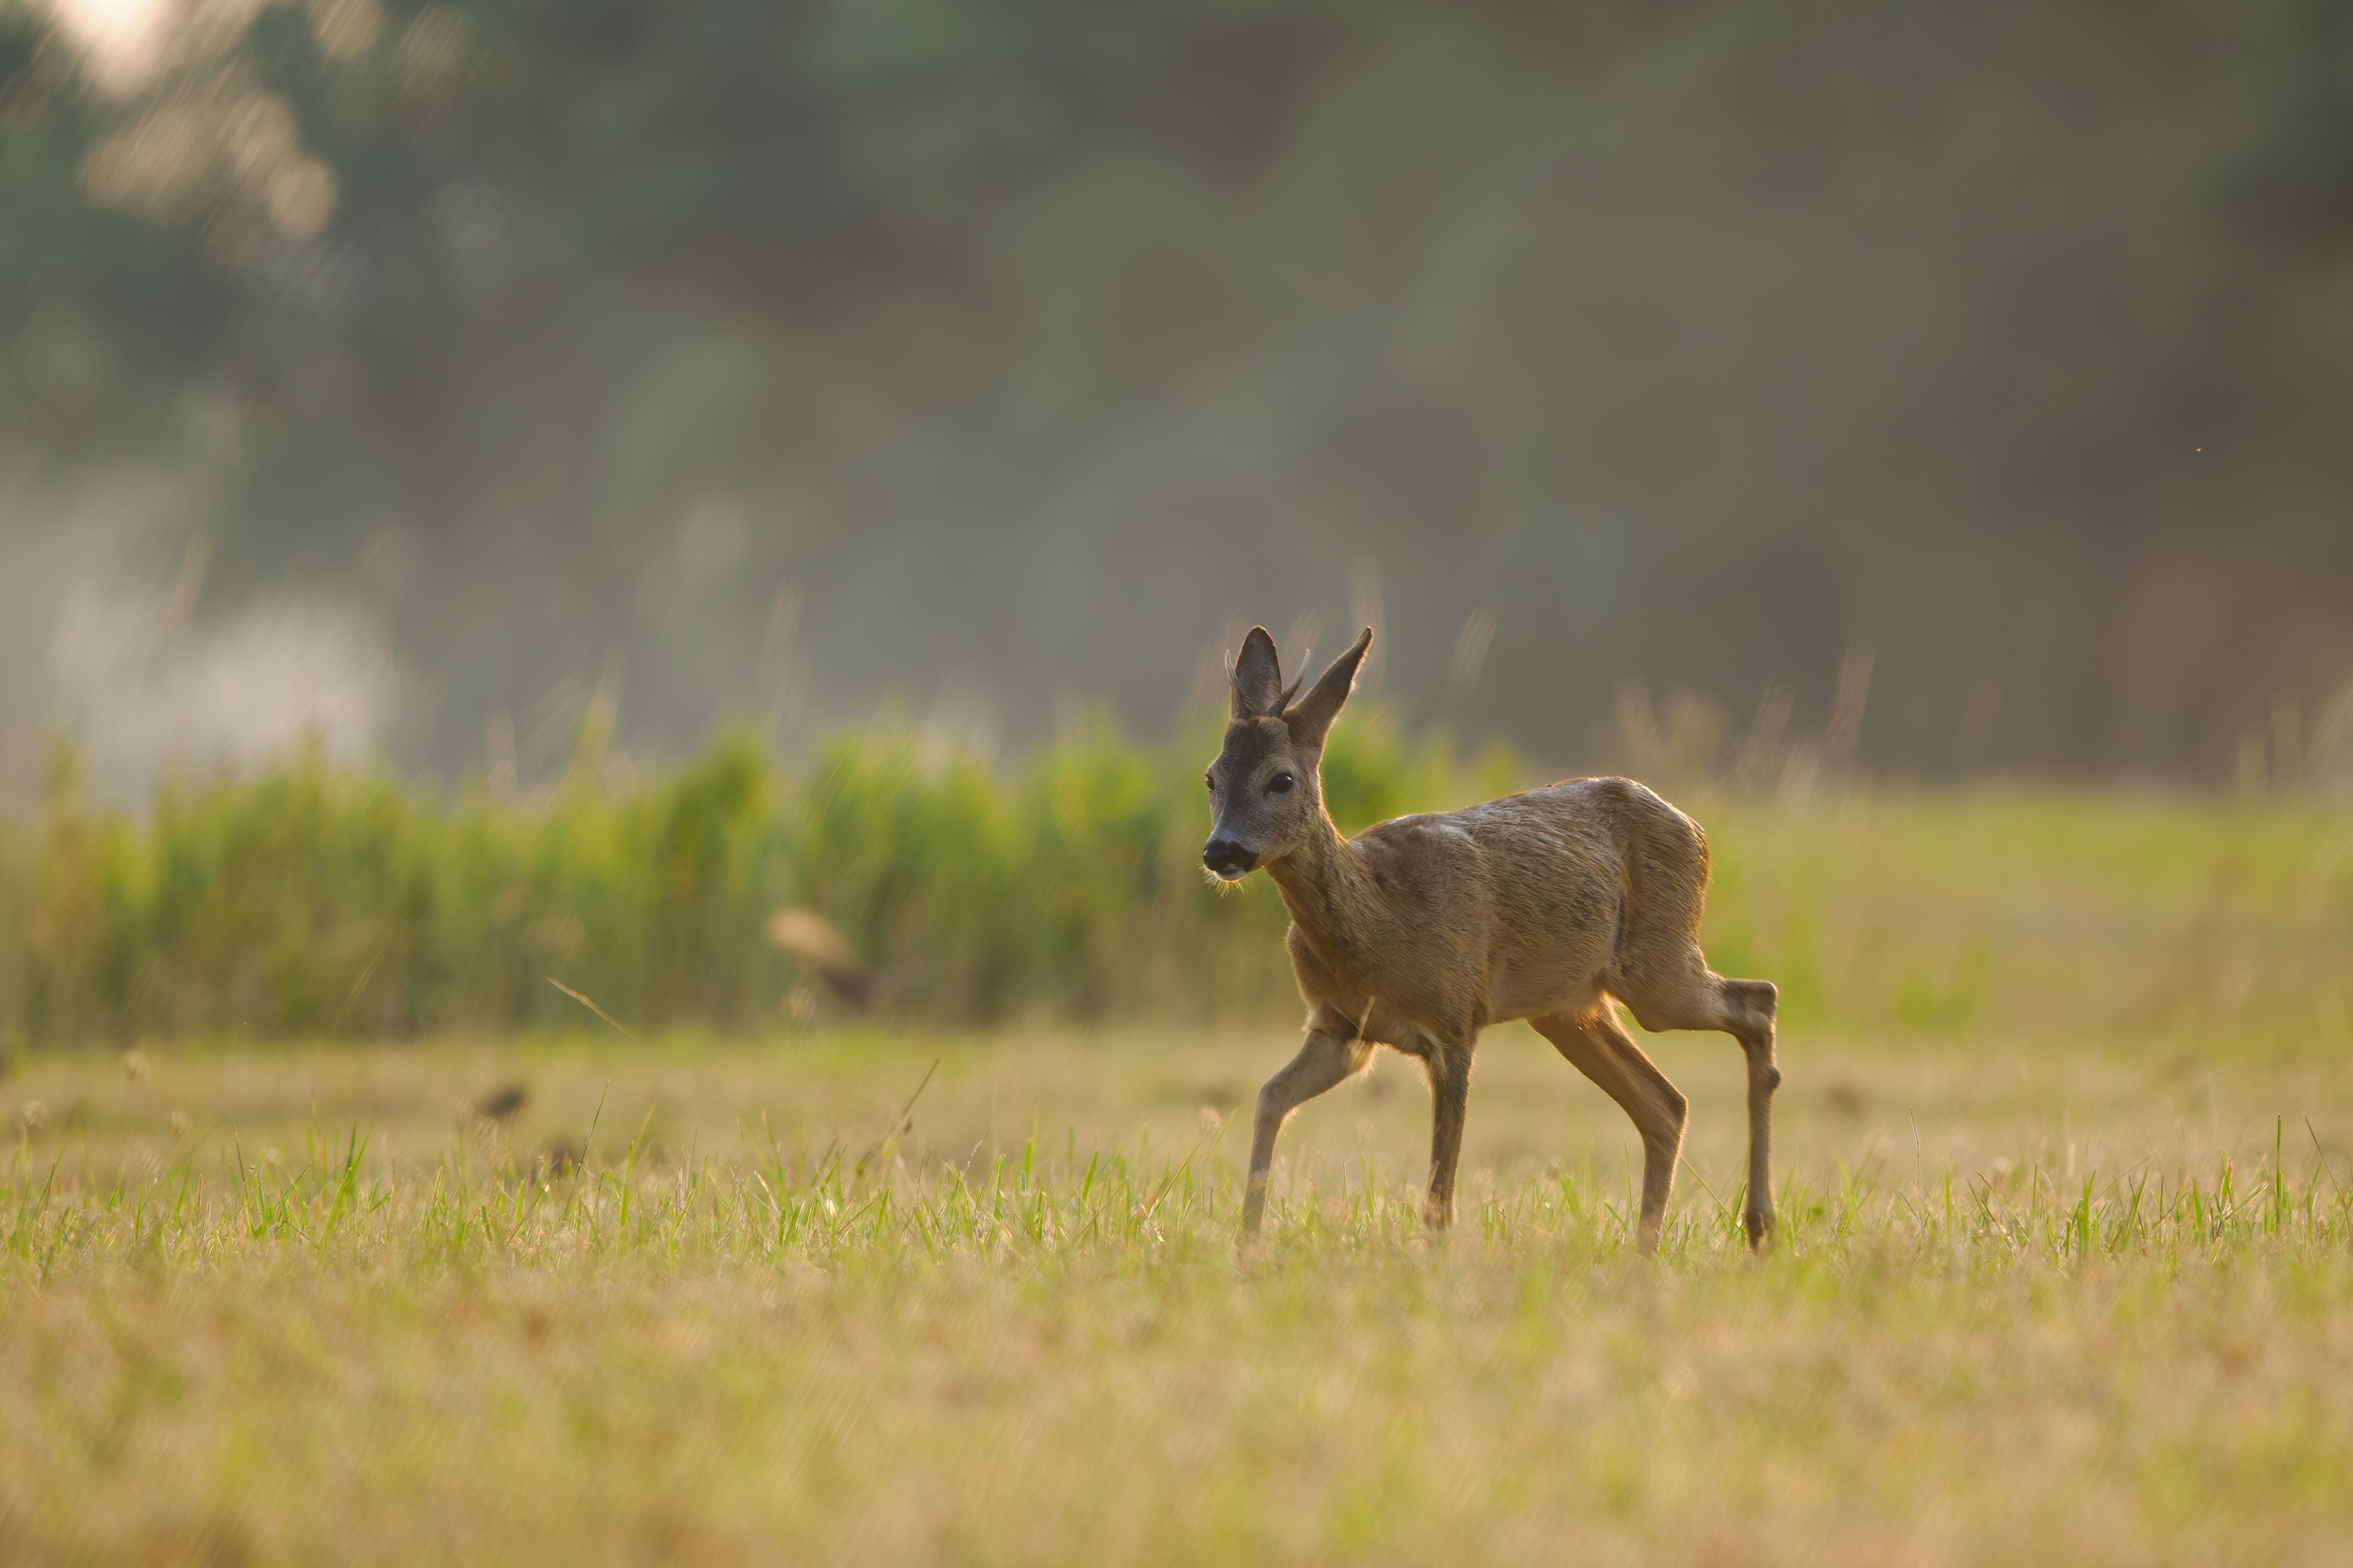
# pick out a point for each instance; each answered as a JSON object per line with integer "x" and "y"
{"x": 408, "y": 374}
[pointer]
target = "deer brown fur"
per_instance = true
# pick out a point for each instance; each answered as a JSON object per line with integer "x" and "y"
{"x": 1420, "y": 932}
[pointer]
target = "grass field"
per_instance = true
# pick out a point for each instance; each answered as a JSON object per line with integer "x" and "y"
{"x": 704, "y": 1301}
{"x": 2066, "y": 1273}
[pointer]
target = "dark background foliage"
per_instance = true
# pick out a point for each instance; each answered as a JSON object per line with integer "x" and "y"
{"x": 787, "y": 355}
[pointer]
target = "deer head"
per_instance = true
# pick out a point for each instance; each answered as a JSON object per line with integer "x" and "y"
{"x": 1265, "y": 786}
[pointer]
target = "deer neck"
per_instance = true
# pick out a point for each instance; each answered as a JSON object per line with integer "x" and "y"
{"x": 1329, "y": 893}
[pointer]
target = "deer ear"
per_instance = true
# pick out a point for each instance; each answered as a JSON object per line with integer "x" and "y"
{"x": 1258, "y": 678}
{"x": 1311, "y": 717}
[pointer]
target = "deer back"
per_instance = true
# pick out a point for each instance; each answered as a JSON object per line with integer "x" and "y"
{"x": 1522, "y": 906}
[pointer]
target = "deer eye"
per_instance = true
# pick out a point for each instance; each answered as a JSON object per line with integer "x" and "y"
{"x": 1279, "y": 784}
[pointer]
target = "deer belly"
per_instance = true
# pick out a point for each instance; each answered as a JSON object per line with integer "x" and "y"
{"x": 1534, "y": 993}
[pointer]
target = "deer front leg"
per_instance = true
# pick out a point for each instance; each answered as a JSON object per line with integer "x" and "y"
{"x": 1327, "y": 1056}
{"x": 1449, "y": 1096}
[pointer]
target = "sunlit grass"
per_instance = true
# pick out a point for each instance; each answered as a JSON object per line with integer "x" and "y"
{"x": 274, "y": 1330}
{"x": 1026, "y": 1207}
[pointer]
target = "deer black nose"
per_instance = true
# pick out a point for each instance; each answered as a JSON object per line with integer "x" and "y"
{"x": 1228, "y": 858}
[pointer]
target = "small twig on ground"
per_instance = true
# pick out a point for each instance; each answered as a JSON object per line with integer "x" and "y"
{"x": 898, "y": 1122}
{"x": 2317, "y": 1149}
{"x": 588, "y": 1001}
{"x": 360, "y": 985}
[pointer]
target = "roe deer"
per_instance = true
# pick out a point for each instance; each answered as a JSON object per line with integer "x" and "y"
{"x": 1420, "y": 932}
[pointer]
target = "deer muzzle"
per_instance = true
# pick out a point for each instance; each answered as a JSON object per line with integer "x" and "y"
{"x": 1229, "y": 859}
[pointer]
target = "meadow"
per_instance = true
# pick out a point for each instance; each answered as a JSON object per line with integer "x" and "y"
{"x": 2065, "y": 1270}
{"x": 719, "y": 1301}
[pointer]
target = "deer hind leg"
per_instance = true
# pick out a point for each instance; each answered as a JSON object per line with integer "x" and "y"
{"x": 1598, "y": 1045}
{"x": 1758, "y": 1003}
{"x": 1327, "y": 1058}
{"x": 1698, "y": 998}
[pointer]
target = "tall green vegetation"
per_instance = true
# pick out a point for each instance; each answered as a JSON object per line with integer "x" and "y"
{"x": 308, "y": 899}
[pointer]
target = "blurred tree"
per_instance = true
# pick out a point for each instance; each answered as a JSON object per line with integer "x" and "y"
{"x": 1033, "y": 336}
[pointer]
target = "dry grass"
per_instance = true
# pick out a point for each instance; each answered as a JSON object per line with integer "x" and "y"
{"x": 2079, "y": 1305}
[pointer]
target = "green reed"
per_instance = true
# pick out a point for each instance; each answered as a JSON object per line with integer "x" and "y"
{"x": 307, "y": 900}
